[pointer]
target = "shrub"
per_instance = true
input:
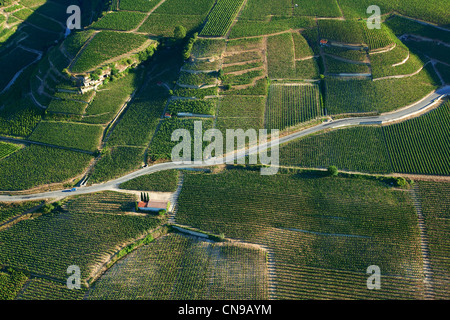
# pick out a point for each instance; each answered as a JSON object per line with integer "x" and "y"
{"x": 333, "y": 171}
{"x": 179, "y": 32}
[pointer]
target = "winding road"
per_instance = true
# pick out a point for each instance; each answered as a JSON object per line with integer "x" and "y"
{"x": 406, "y": 112}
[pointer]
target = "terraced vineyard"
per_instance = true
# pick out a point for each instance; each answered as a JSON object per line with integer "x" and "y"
{"x": 195, "y": 270}
{"x": 289, "y": 105}
{"x": 342, "y": 225}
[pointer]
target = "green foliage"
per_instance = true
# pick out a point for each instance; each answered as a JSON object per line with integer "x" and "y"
{"x": 188, "y": 268}
{"x": 121, "y": 20}
{"x": 354, "y": 149}
{"x": 221, "y": 17}
{"x": 138, "y": 5}
{"x": 38, "y": 165}
{"x": 204, "y": 48}
{"x": 339, "y": 222}
{"x": 109, "y": 99}
{"x": 377, "y": 96}
{"x": 336, "y": 66}
{"x": 13, "y": 209}
{"x": 43, "y": 289}
{"x": 107, "y": 202}
{"x": 192, "y": 106}
{"x": 164, "y": 181}
{"x": 333, "y": 171}
{"x": 10, "y": 283}
{"x": 104, "y": 46}
{"x": 117, "y": 162}
{"x": 7, "y": 149}
{"x": 413, "y": 151}
{"x": 70, "y": 135}
{"x": 290, "y": 105}
{"x": 162, "y": 145}
{"x": 189, "y": 45}
{"x": 435, "y": 203}
{"x": 249, "y": 28}
{"x": 138, "y": 124}
{"x": 179, "y": 32}
{"x": 79, "y": 239}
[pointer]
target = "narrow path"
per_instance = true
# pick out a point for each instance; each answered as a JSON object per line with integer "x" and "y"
{"x": 427, "y": 270}
{"x": 174, "y": 200}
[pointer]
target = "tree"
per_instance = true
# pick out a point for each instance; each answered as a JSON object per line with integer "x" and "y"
{"x": 333, "y": 171}
{"x": 179, "y": 32}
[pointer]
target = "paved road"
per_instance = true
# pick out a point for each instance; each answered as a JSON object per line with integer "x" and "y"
{"x": 409, "y": 111}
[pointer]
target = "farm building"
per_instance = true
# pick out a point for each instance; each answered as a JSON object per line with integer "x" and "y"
{"x": 154, "y": 206}
{"x": 323, "y": 42}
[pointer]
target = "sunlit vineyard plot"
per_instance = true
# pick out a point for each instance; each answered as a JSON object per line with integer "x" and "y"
{"x": 7, "y": 149}
{"x": 181, "y": 267}
{"x": 421, "y": 145}
{"x": 435, "y": 203}
{"x": 103, "y": 202}
{"x": 42, "y": 289}
{"x": 319, "y": 228}
{"x": 82, "y": 239}
{"x": 221, "y": 17}
{"x": 291, "y": 104}
{"x": 354, "y": 149}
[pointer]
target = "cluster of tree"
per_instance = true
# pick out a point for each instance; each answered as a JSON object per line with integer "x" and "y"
{"x": 145, "y": 197}
{"x": 188, "y": 47}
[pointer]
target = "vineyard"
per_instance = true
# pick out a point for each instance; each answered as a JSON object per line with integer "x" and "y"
{"x": 121, "y": 21}
{"x": 42, "y": 289}
{"x": 43, "y": 165}
{"x": 163, "y": 181}
{"x": 421, "y": 145}
{"x": 7, "y": 149}
{"x": 10, "y": 283}
{"x": 360, "y": 149}
{"x": 11, "y": 210}
{"x": 104, "y": 46}
{"x": 107, "y": 202}
{"x": 207, "y": 107}
{"x": 83, "y": 239}
{"x": 221, "y": 17}
{"x": 162, "y": 145}
{"x": 435, "y": 203}
{"x": 117, "y": 161}
{"x": 340, "y": 224}
{"x": 353, "y": 96}
{"x": 418, "y": 146}
{"x": 289, "y": 105}
{"x": 70, "y": 135}
{"x": 180, "y": 267}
